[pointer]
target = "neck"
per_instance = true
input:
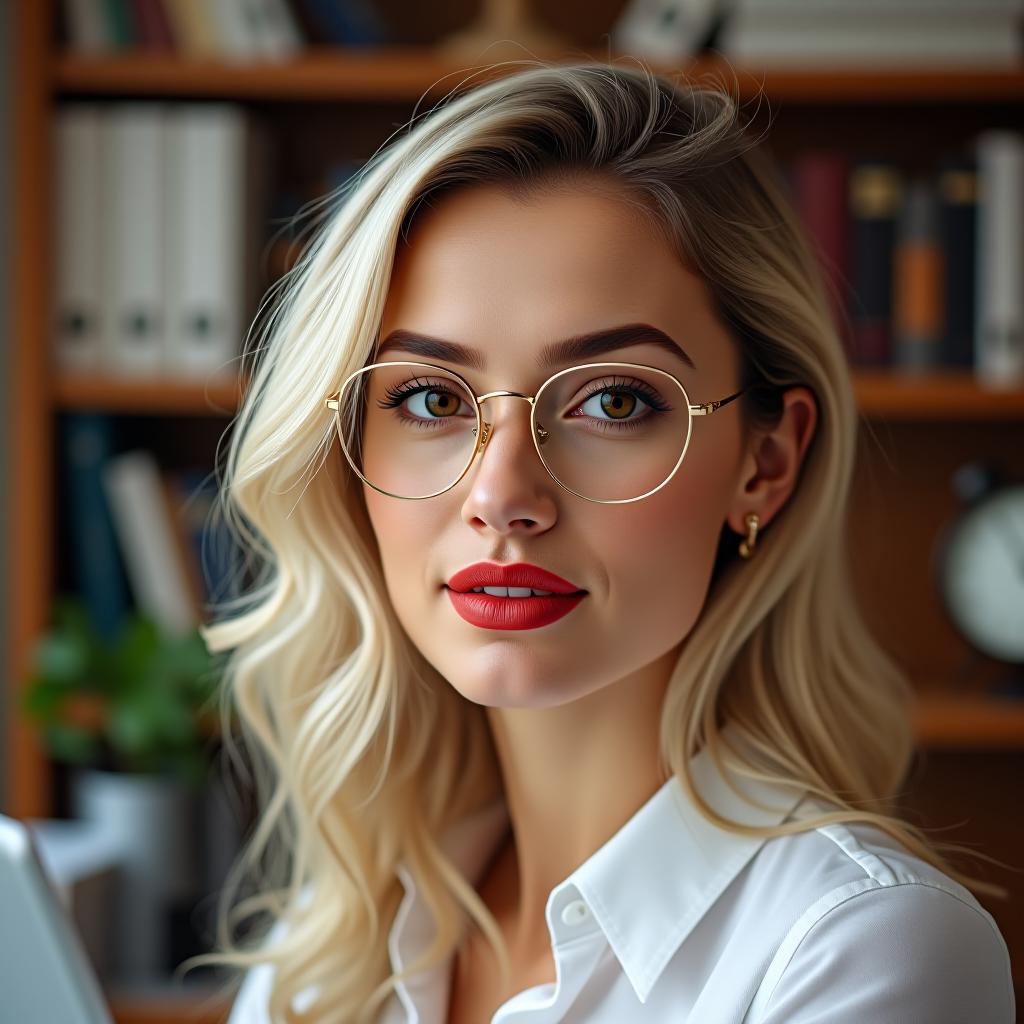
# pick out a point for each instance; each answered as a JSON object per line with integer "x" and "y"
{"x": 573, "y": 774}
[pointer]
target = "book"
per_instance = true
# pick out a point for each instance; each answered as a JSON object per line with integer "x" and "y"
{"x": 144, "y": 518}
{"x": 132, "y": 339}
{"x": 194, "y": 27}
{"x": 945, "y": 33}
{"x": 999, "y": 327}
{"x": 208, "y": 266}
{"x": 160, "y": 218}
{"x": 237, "y": 36}
{"x": 876, "y": 194}
{"x": 820, "y": 189}
{"x": 918, "y": 309}
{"x": 274, "y": 27}
{"x": 78, "y": 232}
{"x": 957, "y": 188}
{"x": 353, "y": 23}
{"x": 96, "y": 570}
{"x": 86, "y": 28}
{"x": 150, "y": 28}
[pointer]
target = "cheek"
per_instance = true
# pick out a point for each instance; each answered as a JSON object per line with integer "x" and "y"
{"x": 406, "y": 533}
{"x": 660, "y": 551}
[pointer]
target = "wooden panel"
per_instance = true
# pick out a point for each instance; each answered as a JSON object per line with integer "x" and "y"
{"x": 154, "y": 396}
{"x": 407, "y": 72}
{"x": 901, "y": 504}
{"x": 969, "y": 723}
{"x": 30, "y": 514}
{"x": 974, "y": 800}
{"x": 179, "y": 1008}
{"x": 936, "y": 395}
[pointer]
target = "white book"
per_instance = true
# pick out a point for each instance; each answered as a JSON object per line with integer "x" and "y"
{"x": 133, "y": 153}
{"x": 237, "y": 40}
{"x": 919, "y": 44}
{"x": 206, "y": 212}
{"x": 284, "y": 30}
{"x": 882, "y": 8}
{"x": 275, "y": 28}
{"x": 77, "y": 236}
{"x": 145, "y": 530}
{"x": 999, "y": 325}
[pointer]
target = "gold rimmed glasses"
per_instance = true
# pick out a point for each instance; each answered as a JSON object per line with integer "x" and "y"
{"x": 610, "y": 433}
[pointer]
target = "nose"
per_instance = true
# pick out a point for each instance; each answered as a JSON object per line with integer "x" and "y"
{"x": 510, "y": 490}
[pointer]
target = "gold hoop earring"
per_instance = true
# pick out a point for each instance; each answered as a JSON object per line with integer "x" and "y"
{"x": 748, "y": 542}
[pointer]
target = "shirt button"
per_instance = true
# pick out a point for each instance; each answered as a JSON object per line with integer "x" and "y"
{"x": 575, "y": 913}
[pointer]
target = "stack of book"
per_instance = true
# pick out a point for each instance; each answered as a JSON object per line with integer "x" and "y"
{"x": 160, "y": 210}
{"x": 141, "y": 536}
{"x": 924, "y": 271}
{"x": 223, "y": 30}
{"x": 984, "y": 33}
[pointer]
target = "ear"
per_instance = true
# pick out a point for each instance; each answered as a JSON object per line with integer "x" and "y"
{"x": 771, "y": 465}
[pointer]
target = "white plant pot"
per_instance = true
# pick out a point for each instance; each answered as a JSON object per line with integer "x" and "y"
{"x": 149, "y": 817}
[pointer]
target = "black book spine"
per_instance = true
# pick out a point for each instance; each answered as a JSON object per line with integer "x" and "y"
{"x": 875, "y": 197}
{"x": 958, "y": 210}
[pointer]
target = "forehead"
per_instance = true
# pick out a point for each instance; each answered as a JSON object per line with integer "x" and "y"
{"x": 497, "y": 272}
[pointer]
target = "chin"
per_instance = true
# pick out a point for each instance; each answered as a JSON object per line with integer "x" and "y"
{"x": 509, "y": 678}
{"x": 509, "y": 697}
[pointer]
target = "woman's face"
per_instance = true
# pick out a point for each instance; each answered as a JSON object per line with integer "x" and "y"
{"x": 506, "y": 279}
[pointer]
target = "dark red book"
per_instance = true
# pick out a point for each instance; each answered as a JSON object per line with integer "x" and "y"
{"x": 820, "y": 183}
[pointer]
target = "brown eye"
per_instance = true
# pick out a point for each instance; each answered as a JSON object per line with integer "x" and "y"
{"x": 441, "y": 403}
{"x": 617, "y": 404}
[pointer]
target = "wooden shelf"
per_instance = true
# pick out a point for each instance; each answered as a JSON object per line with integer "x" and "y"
{"x": 941, "y": 395}
{"x": 964, "y": 723}
{"x": 172, "y": 1008}
{"x": 406, "y": 73}
{"x": 937, "y": 394}
{"x": 153, "y": 396}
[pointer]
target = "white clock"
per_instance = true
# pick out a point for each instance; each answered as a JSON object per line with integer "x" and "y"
{"x": 980, "y": 565}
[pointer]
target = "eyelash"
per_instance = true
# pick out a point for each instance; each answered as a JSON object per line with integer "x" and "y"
{"x": 396, "y": 396}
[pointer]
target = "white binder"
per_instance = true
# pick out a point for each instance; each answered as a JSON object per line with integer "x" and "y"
{"x": 999, "y": 263}
{"x": 206, "y": 213}
{"x": 77, "y": 234}
{"x": 133, "y": 239}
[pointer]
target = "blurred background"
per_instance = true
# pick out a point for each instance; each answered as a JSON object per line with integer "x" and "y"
{"x": 157, "y": 154}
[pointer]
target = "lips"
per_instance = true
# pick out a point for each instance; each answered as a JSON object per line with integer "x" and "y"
{"x": 519, "y": 574}
{"x": 488, "y": 611}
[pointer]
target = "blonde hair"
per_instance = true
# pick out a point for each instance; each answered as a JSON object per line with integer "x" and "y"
{"x": 362, "y": 754}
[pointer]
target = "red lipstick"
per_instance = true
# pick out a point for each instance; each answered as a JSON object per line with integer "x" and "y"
{"x": 489, "y": 611}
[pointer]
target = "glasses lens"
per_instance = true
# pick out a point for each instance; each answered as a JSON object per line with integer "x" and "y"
{"x": 612, "y": 432}
{"x": 409, "y": 429}
{"x": 608, "y": 432}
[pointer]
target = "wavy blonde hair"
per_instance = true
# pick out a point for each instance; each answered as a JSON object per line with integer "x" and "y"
{"x": 362, "y": 754}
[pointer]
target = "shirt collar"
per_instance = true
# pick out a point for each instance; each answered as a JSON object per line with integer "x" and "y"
{"x": 652, "y": 882}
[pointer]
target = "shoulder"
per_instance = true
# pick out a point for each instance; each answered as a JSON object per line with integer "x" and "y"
{"x": 251, "y": 1001}
{"x": 876, "y": 933}
{"x": 250, "y": 1005}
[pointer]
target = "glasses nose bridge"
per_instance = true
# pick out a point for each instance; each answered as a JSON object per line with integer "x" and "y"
{"x": 488, "y": 427}
{"x": 505, "y": 394}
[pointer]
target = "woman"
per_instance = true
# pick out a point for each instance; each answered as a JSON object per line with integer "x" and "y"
{"x": 562, "y": 704}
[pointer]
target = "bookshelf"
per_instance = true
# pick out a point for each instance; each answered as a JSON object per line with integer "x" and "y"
{"x": 916, "y": 428}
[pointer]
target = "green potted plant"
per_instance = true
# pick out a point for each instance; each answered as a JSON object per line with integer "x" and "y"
{"x": 142, "y": 704}
{"x": 135, "y": 718}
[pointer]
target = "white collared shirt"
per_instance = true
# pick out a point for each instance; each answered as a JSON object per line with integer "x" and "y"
{"x": 675, "y": 920}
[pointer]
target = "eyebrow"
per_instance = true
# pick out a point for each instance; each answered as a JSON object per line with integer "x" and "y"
{"x": 568, "y": 350}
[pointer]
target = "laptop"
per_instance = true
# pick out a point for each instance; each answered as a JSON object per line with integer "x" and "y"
{"x": 45, "y": 975}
